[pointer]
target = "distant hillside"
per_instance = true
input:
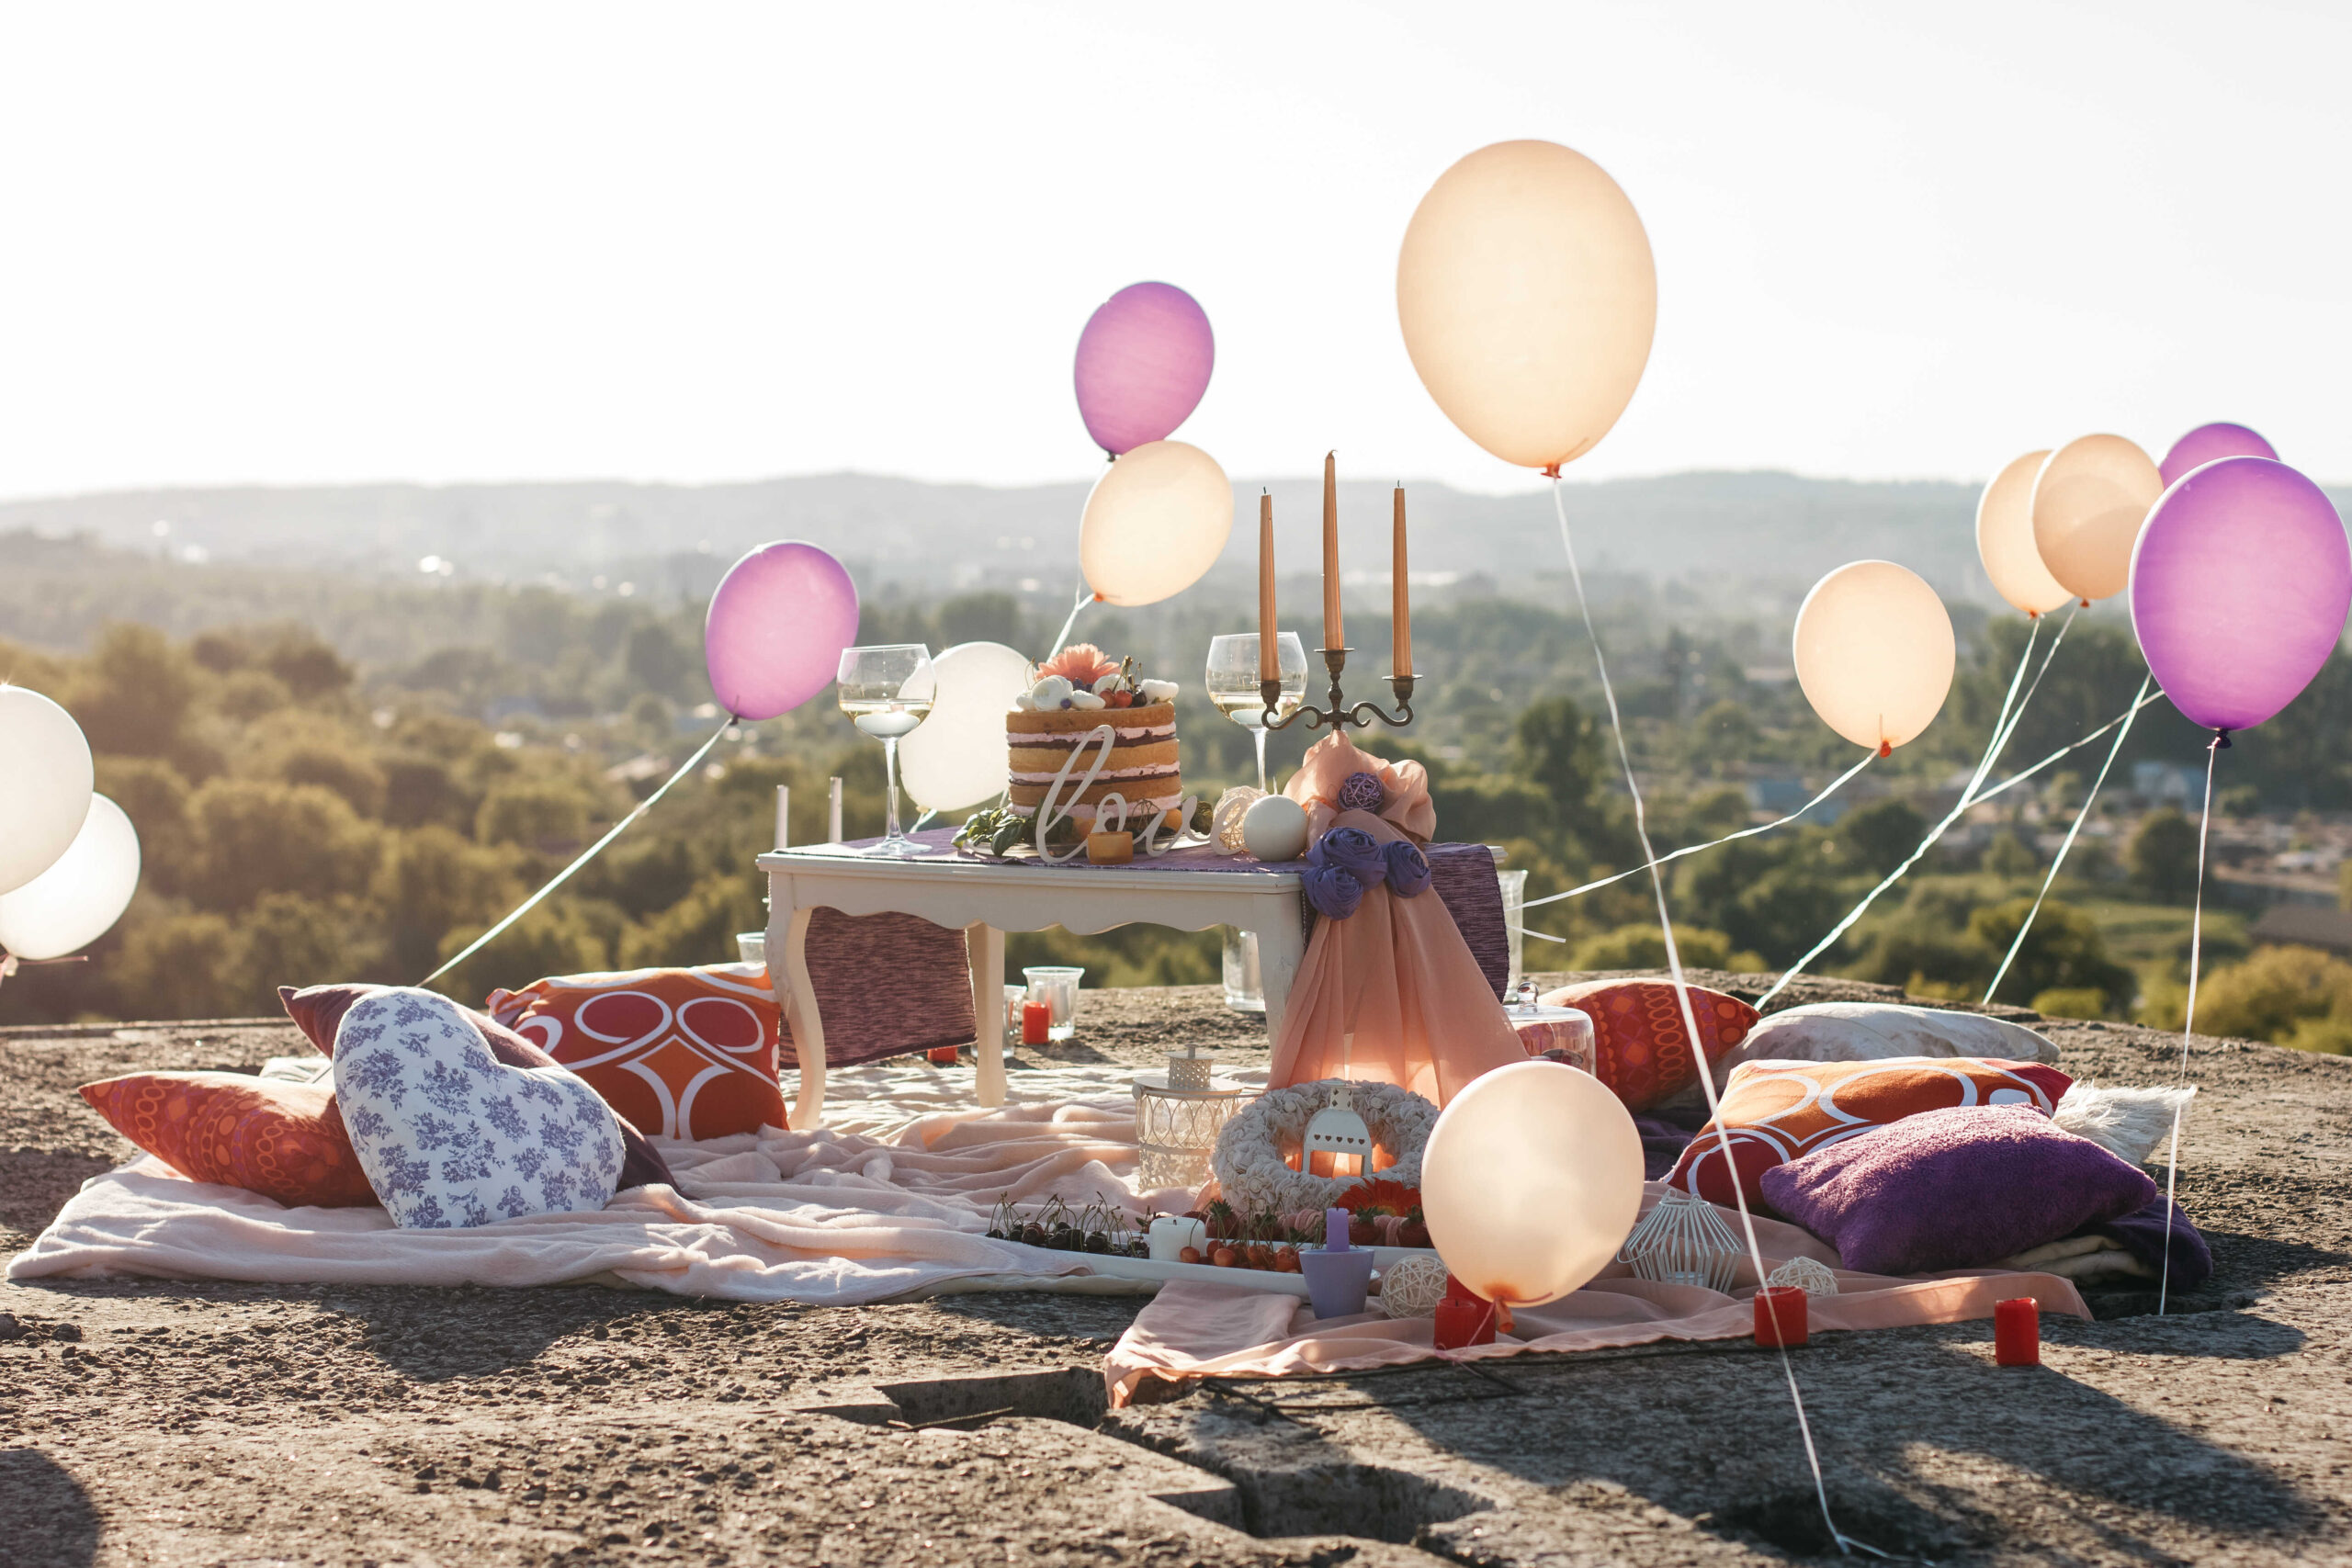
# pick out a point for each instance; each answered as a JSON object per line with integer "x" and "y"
{"x": 1772, "y": 530}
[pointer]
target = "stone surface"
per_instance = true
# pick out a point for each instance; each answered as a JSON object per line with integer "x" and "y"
{"x": 143, "y": 1421}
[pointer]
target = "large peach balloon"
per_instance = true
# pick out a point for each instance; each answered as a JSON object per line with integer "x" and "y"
{"x": 1157, "y": 520}
{"x": 1530, "y": 1181}
{"x": 2005, "y": 539}
{"x": 2089, "y": 500}
{"x": 1874, "y": 653}
{"x": 1528, "y": 299}
{"x": 45, "y": 777}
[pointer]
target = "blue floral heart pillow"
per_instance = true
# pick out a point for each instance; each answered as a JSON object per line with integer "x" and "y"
{"x": 449, "y": 1135}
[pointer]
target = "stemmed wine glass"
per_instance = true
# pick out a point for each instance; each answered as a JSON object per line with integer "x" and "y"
{"x": 1233, "y": 683}
{"x": 887, "y": 691}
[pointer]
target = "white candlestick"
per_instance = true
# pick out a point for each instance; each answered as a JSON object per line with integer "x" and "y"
{"x": 833, "y": 815}
{"x": 784, "y": 817}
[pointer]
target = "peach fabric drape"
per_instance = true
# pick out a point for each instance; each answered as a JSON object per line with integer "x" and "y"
{"x": 1192, "y": 1330}
{"x": 1396, "y": 974}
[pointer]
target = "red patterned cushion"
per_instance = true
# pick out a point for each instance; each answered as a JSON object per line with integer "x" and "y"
{"x": 282, "y": 1140}
{"x": 689, "y": 1053}
{"x": 317, "y": 1011}
{"x": 1641, "y": 1049}
{"x": 1776, "y": 1111}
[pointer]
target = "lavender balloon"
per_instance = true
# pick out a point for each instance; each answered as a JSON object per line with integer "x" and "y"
{"x": 2240, "y": 581}
{"x": 2208, "y": 442}
{"x": 776, "y": 629}
{"x": 1143, "y": 363}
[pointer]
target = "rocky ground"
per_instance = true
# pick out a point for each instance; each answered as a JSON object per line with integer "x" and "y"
{"x": 153, "y": 1422}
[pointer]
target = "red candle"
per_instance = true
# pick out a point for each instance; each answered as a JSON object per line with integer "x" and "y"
{"x": 1462, "y": 1318}
{"x": 1037, "y": 1021}
{"x": 1780, "y": 1315}
{"x": 2017, "y": 1332}
{"x": 941, "y": 1056}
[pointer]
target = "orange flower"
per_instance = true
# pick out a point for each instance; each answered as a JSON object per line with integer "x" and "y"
{"x": 1081, "y": 664}
{"x": 1378, "y": 1195}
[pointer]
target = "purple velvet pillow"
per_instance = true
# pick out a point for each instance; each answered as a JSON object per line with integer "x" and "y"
{"x": 1955, "y": 1189}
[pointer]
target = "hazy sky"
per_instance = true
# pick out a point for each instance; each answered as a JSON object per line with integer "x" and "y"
{"x": 337, "y": 243}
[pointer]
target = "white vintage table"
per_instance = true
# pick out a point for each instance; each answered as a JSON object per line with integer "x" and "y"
{"x": 1189, "y": 889}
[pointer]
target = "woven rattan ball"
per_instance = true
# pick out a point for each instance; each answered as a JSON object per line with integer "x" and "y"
{"x": 1411, "y": 1287}
{"x": 1225, "y": 827}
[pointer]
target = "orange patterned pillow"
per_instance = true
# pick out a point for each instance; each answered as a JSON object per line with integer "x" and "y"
{"x": 1641, "y": 1049}
{"x": 1778, "y": 1111}
{"x": 282, "y": 1140}
{"x": 681, "y": 1053}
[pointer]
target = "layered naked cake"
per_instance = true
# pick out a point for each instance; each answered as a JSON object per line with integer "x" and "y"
{"x": 1142, "y": 769}
{"x": 1078, "y": 691}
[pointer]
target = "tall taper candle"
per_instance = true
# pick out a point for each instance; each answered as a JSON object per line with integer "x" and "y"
{"x": 1270, "y": 666}
{"x": 784, "y": 817}
{"x": 1334, "y": 633}
{"x": 1400, "y": 640}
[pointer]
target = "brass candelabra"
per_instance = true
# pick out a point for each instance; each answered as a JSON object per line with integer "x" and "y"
{"x": 1338, "y": 713}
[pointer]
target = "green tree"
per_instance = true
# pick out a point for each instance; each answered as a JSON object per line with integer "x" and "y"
{"x": 2006, "y": 857}
{"x": 2063, "y": 952}
{"x": 1642, "y": 947}
{"x": 1880, "y": 837}
{"x": 2164, "y": 857}
{"x": 248, "y": 837}
{"x": 1559, "y": 750}
{"x": 654, "y": 659}
{"x": 699, "y": 928}
{"x": 535, "y": 813}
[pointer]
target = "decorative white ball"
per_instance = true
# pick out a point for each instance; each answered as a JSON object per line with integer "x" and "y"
{"x": 1411, "y": 1287}
{"x": 1809, "y": 1275}
{"x": 1275, "y": 828}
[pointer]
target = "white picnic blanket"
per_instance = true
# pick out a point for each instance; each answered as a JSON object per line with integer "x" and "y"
{"x": 891, "y": 1199}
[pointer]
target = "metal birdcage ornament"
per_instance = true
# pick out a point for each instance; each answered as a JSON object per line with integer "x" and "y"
{"x": 1339, "y": 1131}
{"x": 1684, "y": 1241}
{"x": 1178, "y": 1114}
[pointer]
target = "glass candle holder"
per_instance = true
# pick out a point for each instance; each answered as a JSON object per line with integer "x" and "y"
{"x": 1056, "y": 987}
{"x": 1245, "y": 991}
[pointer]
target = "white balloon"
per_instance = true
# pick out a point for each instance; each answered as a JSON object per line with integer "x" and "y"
{"x": 955, "y": 758}
{"x": 1156, "y": 520}
{"x": 2089, "y": 499}
{"x": 2005, "y": 539}
{"x": 1530, "y": 1181}
{"x": 1528, "y": 298}
{"x": 1874, "y": 653}
{"x": 76, "y": 900}
{"x": 45, "y": 781}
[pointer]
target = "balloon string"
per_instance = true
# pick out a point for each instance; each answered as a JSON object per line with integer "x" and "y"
{"x": 2003, "y": 728}
{"x": 590, "y": 852}
{"x": 1836, "y": 784}
{"x": 1083, "y": 599}
{"x": 2188, "y": 1024}
{"x": 2081, "y": 817}
{"x": 1682, "y": 994}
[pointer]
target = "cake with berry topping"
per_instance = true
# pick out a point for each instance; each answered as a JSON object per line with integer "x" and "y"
{"x": 1077, "y": 690}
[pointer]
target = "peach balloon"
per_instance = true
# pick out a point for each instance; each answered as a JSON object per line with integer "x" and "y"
{"x": 2005, "y": 539}
{"x": 1530, "y": 1181}
{"x": 1157, "y": 520}
{"x": 1874, "y": 653}
{"x": 2089, "y": 500}
{"x": 1528, "y": 299}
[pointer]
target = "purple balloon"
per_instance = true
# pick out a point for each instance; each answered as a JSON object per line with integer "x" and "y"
{"x": 2240, "y": 581}
{"x": 2208, "y": 442}
{"x": 1143, "y": 363}
{"x": 776, "y": 629}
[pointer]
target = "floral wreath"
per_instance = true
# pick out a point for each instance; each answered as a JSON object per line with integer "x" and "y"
{"x": 1254, "y": 1176}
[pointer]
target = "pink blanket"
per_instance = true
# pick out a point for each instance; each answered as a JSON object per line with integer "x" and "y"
{"x": 1392, "y": 994}
{"x": 895, "y": 1203}
{"x": 1199, "y": 1330}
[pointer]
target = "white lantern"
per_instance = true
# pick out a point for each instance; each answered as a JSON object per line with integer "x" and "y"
{"x": 1178, "y": 1114}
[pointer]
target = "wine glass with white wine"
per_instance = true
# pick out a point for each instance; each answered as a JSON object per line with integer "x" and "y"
{"x": 1233, "y": 683}
{"x": 887, "y": 691}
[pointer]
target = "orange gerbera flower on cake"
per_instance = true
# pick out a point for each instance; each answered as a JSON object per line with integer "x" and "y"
{"x": 1081, "y": 664}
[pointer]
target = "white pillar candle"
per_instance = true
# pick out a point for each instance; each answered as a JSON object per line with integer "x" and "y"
{"x": 1170, "y": 1235}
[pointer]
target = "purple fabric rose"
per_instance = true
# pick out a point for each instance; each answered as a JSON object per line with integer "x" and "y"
{"x": 1361, "y": 792}
{"x": 1335, "y": 893}
{"x": 1408, "y": 869}
{"x": 1340, "y": 866}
